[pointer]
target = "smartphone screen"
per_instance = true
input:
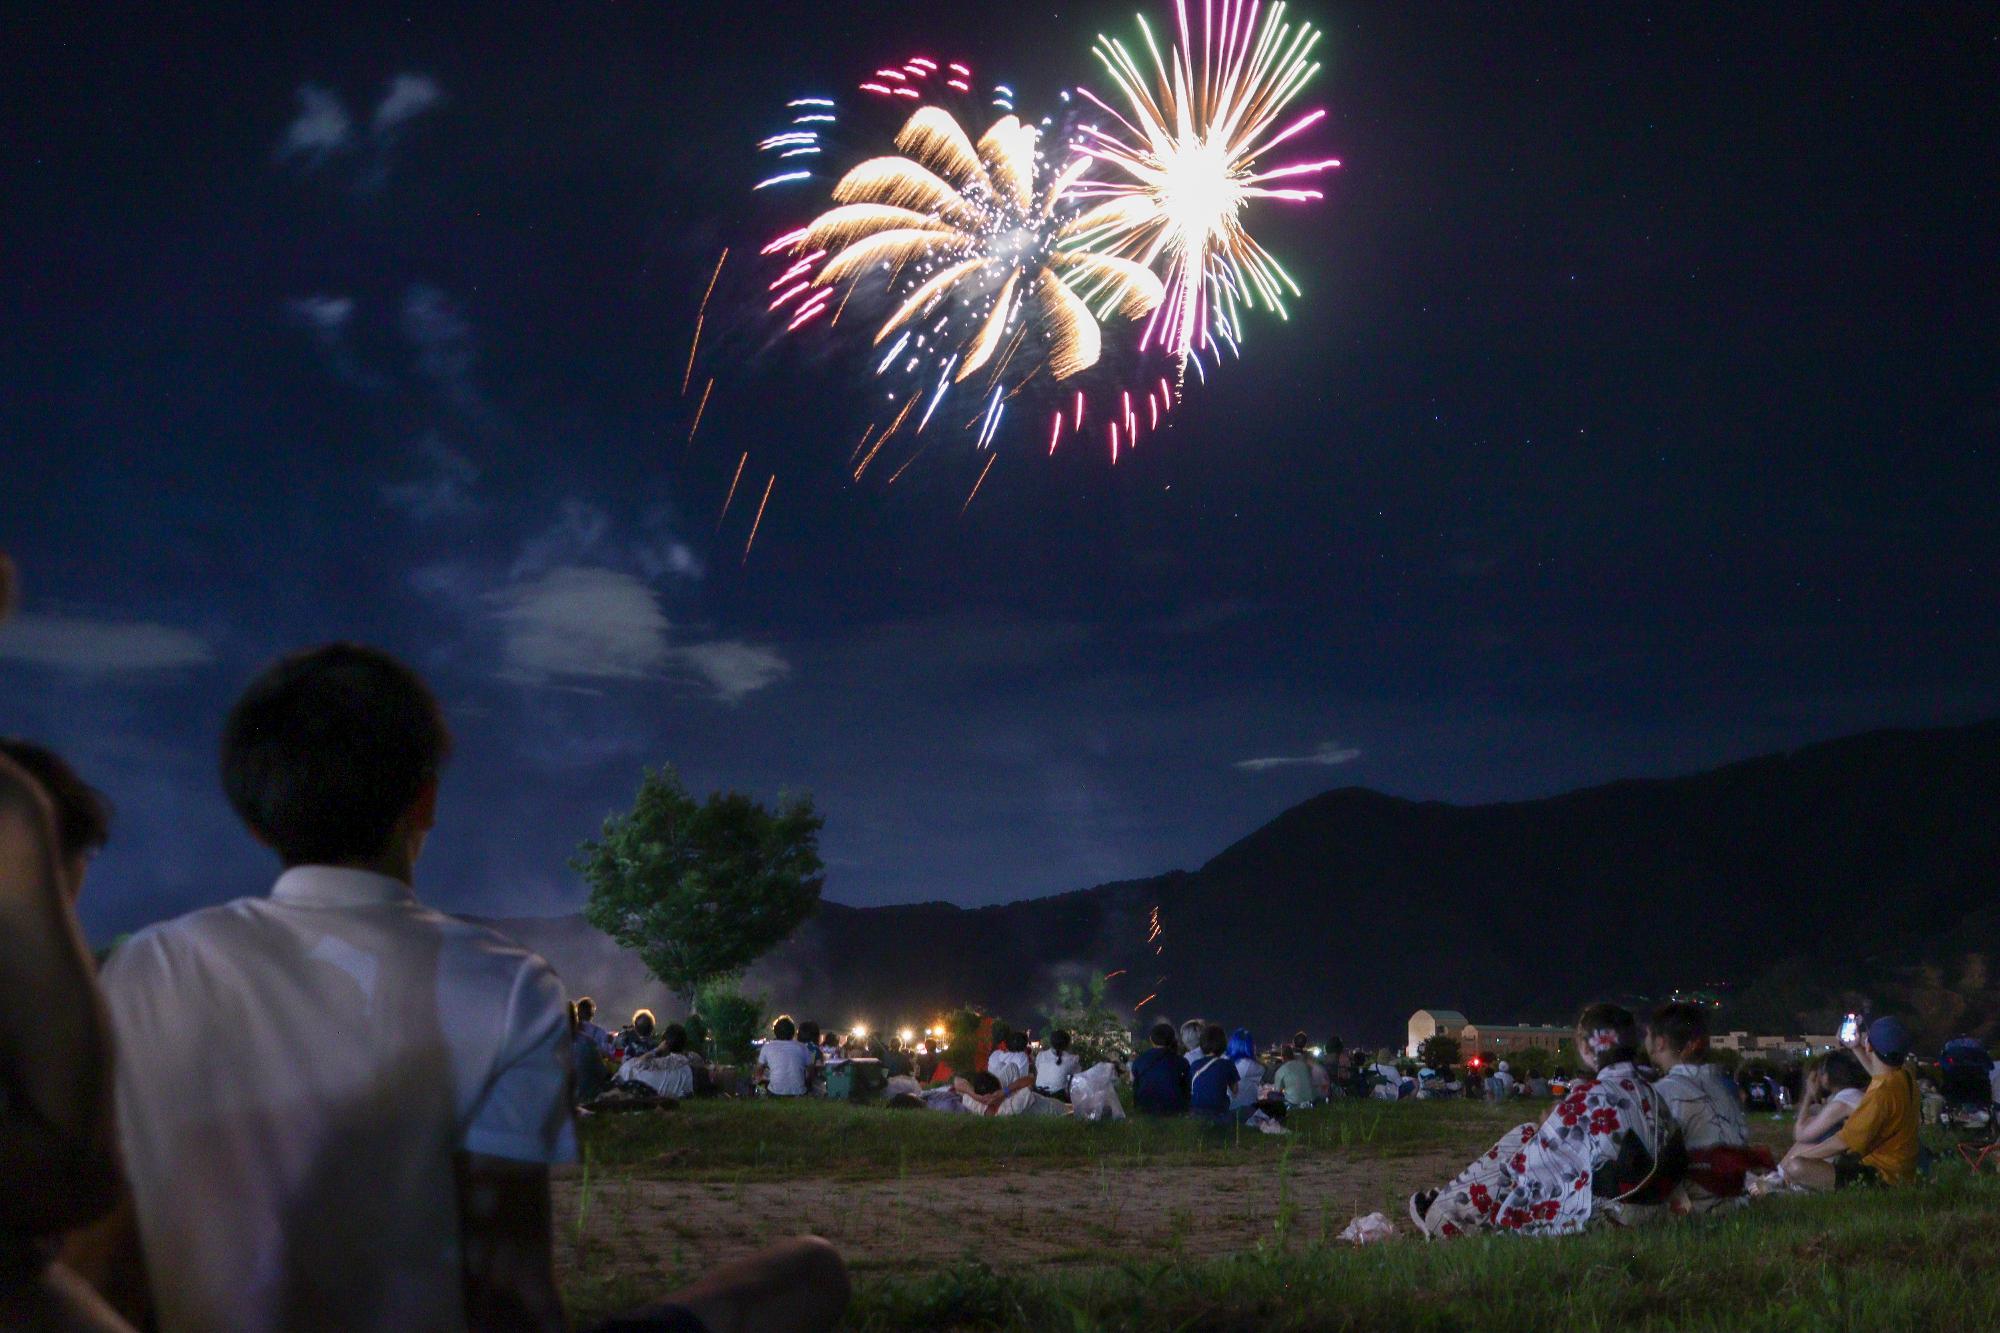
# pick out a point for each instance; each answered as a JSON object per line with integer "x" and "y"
{"x": 1850, "y": 1029}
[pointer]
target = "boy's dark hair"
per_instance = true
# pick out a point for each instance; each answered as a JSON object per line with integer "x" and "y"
{"x": 1845, "y": 1070}
{"x": 328, "y": 748}
{"x": 642, "y": 1022}
{"x": 1615, "y": 1030}
{"x": 674, "y": 1037}
{"x": 83, "y": 816}
{"x": 586, "y": 1008}
{"x": 1017, "y": 1040}
{"x": 1059, "y": 1041}
{"x": 1214, "y": 1041}
{"x": 1164, "y": 1036}
{"x": 784, "y": 1029}
{"x": 984, "y": 1083}
{"x": 1680, "y": 1025}
{"x": 809, "y": 1033}
{"x": 1299, "y": 1039}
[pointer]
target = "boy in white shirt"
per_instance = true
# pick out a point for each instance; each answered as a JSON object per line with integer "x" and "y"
{"x": 784, "y": 1065}
{"x": 1009, "y": 1062}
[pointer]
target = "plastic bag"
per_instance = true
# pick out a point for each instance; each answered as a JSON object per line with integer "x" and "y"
{"x": 1368, "y": 1230}
{"x": 1094, "y": 1093}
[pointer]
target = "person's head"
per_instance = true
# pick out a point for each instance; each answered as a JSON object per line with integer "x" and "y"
{"x": 1214, "y": 1041}
{"x": 809, "y": 1033}
{"x": 1241, "y": 1047}
{"x": 1678, "y": 1035}
{"x": 1886, "y": 1042}
{"x": 1502, "y": 1068}
{"x": 1606, "y": 1035}
{"x": 1191, "y": 1034}
{"x": 784, "y": 1029}
{"x": 1843, "y": 1069}
{"x": 1059, "y": 1041}
{"x": 332, "y": 756}
{"x": 83, "y": 816}
{"x": 1163, "y": 1036}
{"x": 674, "y": 1037}
{"x": 1301, "y": 1041}
{"x": 642, "y": 1022}
{"x": 1017, "y": 1041}
{"x": 586, "y": 1009}
{"x": 1287, "y": 1053}
{"x": 984, "y": 1083}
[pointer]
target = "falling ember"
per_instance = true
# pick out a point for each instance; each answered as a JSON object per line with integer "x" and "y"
{"x": 1056, "y": 435}
{"x": 1143, "y": 1003}
{"x": 991, "y": 459}
{"x": 732, "y": 491}
{"x": 700, "y": 314}
{"x": 1079, "y": 409}
{"x": 702, "y": 407}
{"x": 1110, "y": 975}
{"x": 758, "y": 522}
{"x": 1114, "y": 442}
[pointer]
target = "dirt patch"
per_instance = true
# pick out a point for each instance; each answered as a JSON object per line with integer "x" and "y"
{"x": 643, "y": 1229}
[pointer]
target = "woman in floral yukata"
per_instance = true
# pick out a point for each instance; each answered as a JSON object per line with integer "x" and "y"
{"x": 1609, "y": 1154}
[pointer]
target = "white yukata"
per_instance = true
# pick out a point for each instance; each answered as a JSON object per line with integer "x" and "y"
{"x": 1544, "y": 1180}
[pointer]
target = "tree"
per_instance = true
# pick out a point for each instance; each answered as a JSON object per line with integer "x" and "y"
{"x": 731, "y": 1019}
{"x": 1439, "y": 1051}
{"x": 1097, "y": 1030}
{"x": 699, "y": 890}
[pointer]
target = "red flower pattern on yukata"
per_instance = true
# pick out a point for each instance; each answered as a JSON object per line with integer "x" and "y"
{"x": 1604, "y": 1120}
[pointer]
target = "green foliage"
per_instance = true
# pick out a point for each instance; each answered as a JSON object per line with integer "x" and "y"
{"x": 1439, "y": 1051}
{"x": 700, "y": 889}
{"x": 961, "y": 1039}
{"x": 1097, "y": 1030}
{"x": 1531, "y": 1062}
{"x": 731, "y": 1019}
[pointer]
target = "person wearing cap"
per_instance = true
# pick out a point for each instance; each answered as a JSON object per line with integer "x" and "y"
{"x": 1878, "y": 1143}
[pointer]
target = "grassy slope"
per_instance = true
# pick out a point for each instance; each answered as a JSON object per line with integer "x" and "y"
{"x": 774, "y": 1139}
{"x": 1920, "y": 1258}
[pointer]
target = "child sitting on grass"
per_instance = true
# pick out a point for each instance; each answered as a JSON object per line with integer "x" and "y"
{"x": 1713, "y": 1126}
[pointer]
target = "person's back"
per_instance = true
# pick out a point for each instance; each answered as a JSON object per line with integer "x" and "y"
{"x": 298, "y": 1072}
{"x": 1214, "y": 1080}
{"x": 320, "y": 1093}
{"x": 1160, "y": 1076}
{"x": 1056, "y": 1066}
{"x": 1294, "y": 1080}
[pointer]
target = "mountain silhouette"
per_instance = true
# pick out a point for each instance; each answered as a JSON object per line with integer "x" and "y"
{"x": 1862, "y": 872}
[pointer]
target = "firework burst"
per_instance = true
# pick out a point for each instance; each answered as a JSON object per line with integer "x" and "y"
{"x": 1185, "y": 158}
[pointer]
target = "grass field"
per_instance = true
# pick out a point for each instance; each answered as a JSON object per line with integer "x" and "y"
{"x": 951, "y": 1222}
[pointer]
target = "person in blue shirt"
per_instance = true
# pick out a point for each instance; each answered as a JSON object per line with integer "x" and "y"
{"x": 1160, "y": 1075}
{"x": 1215, "y": 1076}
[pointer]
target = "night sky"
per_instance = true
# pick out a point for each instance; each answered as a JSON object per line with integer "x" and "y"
{"x": 1641, "y": 414}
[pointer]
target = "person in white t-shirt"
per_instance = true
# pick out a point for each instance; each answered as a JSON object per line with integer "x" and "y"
{"x": 1830, "y": 1094}
{"x": 1010, "y": 1064}
{"x": 784, "y": 1064}
{"x": 1056, "y": 1066}
{"x": 1242, "y": 1051}
{"x": 391, "y": 1170}
{"x": 1501, "y": 1086}
{"x": 983, "y": 1094}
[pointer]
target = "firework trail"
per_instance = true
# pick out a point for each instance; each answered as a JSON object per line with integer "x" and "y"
{"x": 700, "y": 315}
{"x": 758, "y": 521}
{"x": 701, "y": 408}
{"x": 1185, "y": 159}
{"x": 990, "y": 460}
{"x": 732, "y": 491}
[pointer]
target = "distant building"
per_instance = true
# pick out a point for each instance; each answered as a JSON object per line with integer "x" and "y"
{"x": 1500, "y": 1039}
{"x": 1428, "y": 1023}
{"x": 1752, "y": 1045}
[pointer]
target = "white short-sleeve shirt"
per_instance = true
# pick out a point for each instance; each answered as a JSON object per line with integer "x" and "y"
{"x": 1008, "y": 1066}
{"x": 295, "y": 1074}
{"x": 789, "y": 1063}
{"x": 1053, "y": 1072}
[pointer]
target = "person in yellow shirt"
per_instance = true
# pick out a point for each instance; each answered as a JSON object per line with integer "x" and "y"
{"x": 1878, "y": 1143}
